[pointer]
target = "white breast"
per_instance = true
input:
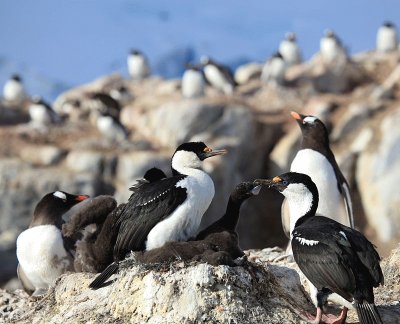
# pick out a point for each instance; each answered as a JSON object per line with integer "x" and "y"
{"x": 274, "y": 71}
{"x": 41, "y": 254}
{"x": 14, "y": 91}
{"x": 290, "y": 52}
{"x": 192, "y": 84}
{"x": 329, "y": 49}
{"x": 386, "y": 39}
{"x": 110, "y": 129}
{"x": 137, "y": 67}
{"x": 217, "y": 79}
{"x": 185, "y": 221}
{"x": 321, "y": 172}
{"x": 39, "y": 115}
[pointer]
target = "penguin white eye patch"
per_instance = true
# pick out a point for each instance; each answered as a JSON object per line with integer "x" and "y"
{"x": 309, "y": 119}
{"x": 60, "y": 195}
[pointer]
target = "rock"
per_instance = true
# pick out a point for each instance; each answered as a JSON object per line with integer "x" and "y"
{"x": 377, "y": 174}
{"x": 251, "y": 292}
{"x": 247, "y": 72}
{"x": 84, "y": 161}
{"x": 42, "y": 155}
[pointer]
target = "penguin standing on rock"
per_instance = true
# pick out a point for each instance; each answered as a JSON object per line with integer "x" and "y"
{"x": 41, "y": 113}
{"x": 138, "y": 66}
{"x": 111, "y": 128}
{"x": 14, "y": 90}
{"x": 274, "y": 70}
{"x": 43, "y": 253}
{"x": 338, "y": 260}
{"x": 192, "y": 82}
{"x": 331, "y": 47}
{"x": 218, "y": 76}
{"x": 166, "y": 210}
{"x": 386, "y": 38}
{"x": 290, "y": 50}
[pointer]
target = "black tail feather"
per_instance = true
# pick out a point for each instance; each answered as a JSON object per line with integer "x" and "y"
{"x": 368, "y": 313}
{"x": 102, "y": 277}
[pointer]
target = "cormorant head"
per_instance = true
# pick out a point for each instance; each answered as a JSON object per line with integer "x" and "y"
{"x": 191, "y": 154}
{"x": 245, "y": 190}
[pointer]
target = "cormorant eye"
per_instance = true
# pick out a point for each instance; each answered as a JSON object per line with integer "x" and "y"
{"x": 284, "y": 182}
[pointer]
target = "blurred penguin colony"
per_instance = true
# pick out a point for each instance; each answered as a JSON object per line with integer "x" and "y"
{"x": 160, "y": 217}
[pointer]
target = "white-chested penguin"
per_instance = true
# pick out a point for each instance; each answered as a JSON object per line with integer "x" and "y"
{"x": 331, "y": 48}
{"x": 169, "y": 209}
{"x": 14, "y": 90}
{"x": 290, "y": 50}
{"x": 111, "y": 128}
{"x": 138, "y": 66}
{"x": 42, "y": 114}
{"x": 338, "y": 260}
{"x": 193, "y": 82}
{"x": 218, "y": 76}
{"x": 273, "y": 71}
{"x": 386, "y": 38}
{"x": 43, "y": 253}
{"x": 316, "y": 159}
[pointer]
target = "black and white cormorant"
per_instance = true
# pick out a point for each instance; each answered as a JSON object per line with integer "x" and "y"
{"x": 337, "y": 259}
{"x": 43, "y": 253}
{"x": 230, "y": 219}
{"x": 166, "y": 210}
{"x": 218, "y": 76}
{"x": 94, "y": 251}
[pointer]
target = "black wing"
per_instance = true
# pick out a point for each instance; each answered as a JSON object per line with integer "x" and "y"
{"x": 324, "y": 256}
{"x": 226, "y": 71}
{"x": 146, "y": 207}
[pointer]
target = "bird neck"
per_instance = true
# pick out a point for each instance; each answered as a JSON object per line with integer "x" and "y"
{"x": 302, "y": 207}
{"x": 231, "y": 217}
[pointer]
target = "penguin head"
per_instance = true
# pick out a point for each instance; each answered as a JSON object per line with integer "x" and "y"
{"x": 204, "y": 60}
{"x": 52, "y": 206}
{"x": 36, "y": 99}
{"x": 16, "y": 77}
{"x": 388, "y": 24}
{"x": 245, "y": 190}
{"x": 135, "y": 51}
{"x": 191, "y": 154}
{"x": 191, "y": 66}
{"x": 291, "y": 37}
{"x": 329, "y": 33}
{"x": 311, "y": 127}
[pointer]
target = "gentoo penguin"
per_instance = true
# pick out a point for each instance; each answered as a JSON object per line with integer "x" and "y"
{"x": 14, "y": 90}
{"x": 42, "y": 252}
{"x": 111, "y": 128}
{"x": 316, "y": 159}
{"x": 192, "y": 82}
{"x": 273, "y": 71}
{"x": 289, "y": 50}
{"x": 336, "y": 259}
{"x": 218, "y": 76}
{"x": 331, "y": 47}
{"x": 386, "y": 38}
{"x": 229, "y": 220}
{"x": 138, "y": 66}
{"x": 121, "y": 94}
{"x": 166, "y": 210}
{"x": 100, "y": 102}
{"x": 41, "y": 113}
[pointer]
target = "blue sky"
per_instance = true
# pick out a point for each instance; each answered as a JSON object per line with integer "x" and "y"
{"x": 77, "y": 41}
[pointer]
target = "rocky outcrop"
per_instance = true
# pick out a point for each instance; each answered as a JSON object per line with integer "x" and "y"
{"x": 253, "y": 291}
